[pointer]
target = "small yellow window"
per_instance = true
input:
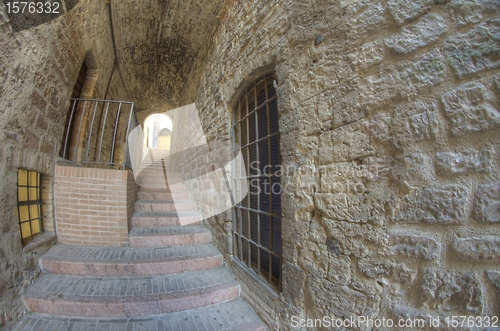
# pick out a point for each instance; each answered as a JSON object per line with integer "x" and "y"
{"x": 29, "y": 203}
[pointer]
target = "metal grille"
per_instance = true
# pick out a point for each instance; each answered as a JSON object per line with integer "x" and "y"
{"x": 29, "y": 204}
{"x": 257, "y": 226}
{"x": 96, "y": 130}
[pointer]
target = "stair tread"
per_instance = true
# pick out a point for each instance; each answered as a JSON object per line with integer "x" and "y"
{"x": 165, "y": 213}
{"x": 161, "y": 190}
{"x": 228, "y": 316}
{"x": 84, "y": 288}
{"x": 168, "y": 230}
{"x": 126, "y": 255}
{"x": 166, "y": 201}
{"x": 129, "y": 261}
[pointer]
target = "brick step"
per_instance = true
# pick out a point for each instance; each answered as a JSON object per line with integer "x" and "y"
{"x": 164, "y": 205}
{"x": 156, "y": 171}
{"x": 130, "y": 297}
{"x": 234, "y": 315}
{"x": 153, "y": 164}
{"x": 129, "y": 261}
{"x": 149, "y": 219}
{"x": 162, "y": 195}
{"x": 159, "y": 185}
{"x": 169, "y": 236}
{"x": 152, "y": 179}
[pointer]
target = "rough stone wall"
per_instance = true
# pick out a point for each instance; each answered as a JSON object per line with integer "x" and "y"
{"x": 389, "y": 121}
{"x": 392, "y": 104}
{"x": 38, "y": 68}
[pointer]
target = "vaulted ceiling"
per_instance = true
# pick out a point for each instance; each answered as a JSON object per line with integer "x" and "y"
{"x": 158, "y": 43}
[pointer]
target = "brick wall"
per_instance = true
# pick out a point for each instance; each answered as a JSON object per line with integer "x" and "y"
{"x": 93, "y": 206}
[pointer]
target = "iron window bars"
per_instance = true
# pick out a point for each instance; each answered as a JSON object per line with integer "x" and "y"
{"x": 257, "y": 225}
{"x": 29, "y": 204}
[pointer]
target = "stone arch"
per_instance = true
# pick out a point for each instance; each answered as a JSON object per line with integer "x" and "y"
{"x": 242, "y": 85}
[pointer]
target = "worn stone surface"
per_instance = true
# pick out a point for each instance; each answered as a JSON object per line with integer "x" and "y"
{"x": 468, "y": 161}
{"x": 414, "y": 122}
{"x": 402, "y": 80}
{"x": 425, "y": 31}
{"x": 447, "y": 204}
{"x": 404, "y": 11}
{"x": 368, "y": 55}
{"x": 471, "y": 108}
{"x": 369, "y": 18}
{"x": 378, "y": 269}
{"x": 346, "y": 207}
{"x": 351, "y": 239}
{"x": 294, "y": 278}
{"x": 477, "y": 249}
{"x": 344, "y": 177}
{"x": 487, "y": 203}
{"x": 472, "y": 11}
{"x": 494, "y": 277}
{"x": 329, "y": 299}
{"x": 448, "y": 290}
{"x": 415, "y": 246}
{"x": 476, "y": 50}
{"x": 345, "y": 144}
{"x": 411, "y": 171}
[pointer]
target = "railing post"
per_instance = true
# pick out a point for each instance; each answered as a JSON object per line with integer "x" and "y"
{"x": 125, "y": 153}
{"x": 82, "y": 115}
{"x": 90, "y": 131}
{"x": 69, "y": 129}
{"x": 114, "y": 133}
{"x": 103, "y": 130}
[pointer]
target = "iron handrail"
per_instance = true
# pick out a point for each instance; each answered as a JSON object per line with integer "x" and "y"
{"x": 80, "y": 146}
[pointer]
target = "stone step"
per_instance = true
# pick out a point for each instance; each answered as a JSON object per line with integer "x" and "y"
{"x": 149, "y": 219}
{"x": 128, "y": 261}
{"x": 155, "y": 163}
{"x": 164, "y": 205}
{"x": 169, "y": 236}
{"x": 63, "y": 295}
{"x": 162, "y": 195}
{"x": 153, "y": 179}
{"x": 179, "y": 187}
{"x": 157, "y": 173}
{"x": 234, "y": 315}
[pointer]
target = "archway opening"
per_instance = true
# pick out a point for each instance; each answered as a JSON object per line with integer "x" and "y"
{"x": 158, "y": 131}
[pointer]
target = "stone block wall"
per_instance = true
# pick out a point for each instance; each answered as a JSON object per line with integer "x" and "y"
{"x": 93, "y": 206}
{"x": 38, "y": 69}
{"x": 389, "y": 121}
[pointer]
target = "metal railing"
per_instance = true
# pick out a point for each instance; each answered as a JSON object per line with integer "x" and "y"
{"x": 97, "y": 132}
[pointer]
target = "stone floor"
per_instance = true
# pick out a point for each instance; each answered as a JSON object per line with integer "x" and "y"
{"x": 170, "y": 278}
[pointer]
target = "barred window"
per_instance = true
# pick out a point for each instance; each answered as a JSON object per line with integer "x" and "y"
{"x": 257, "y": 225}
{"x": 29, "y": 204}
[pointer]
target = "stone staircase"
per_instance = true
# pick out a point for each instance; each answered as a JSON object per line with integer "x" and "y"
{"x": 170, "y": 278}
